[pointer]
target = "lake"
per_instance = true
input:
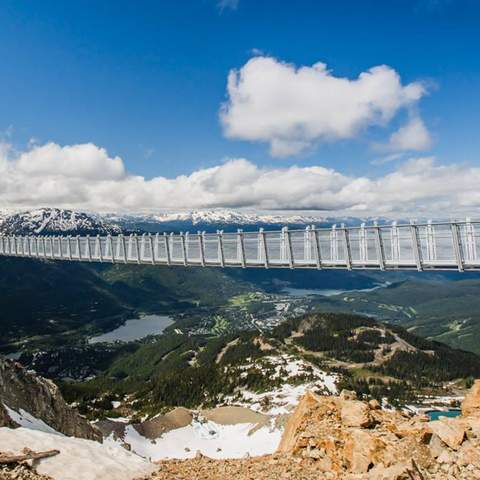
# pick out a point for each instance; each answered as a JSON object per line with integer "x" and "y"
{"x": 327, "y": 292}
{"x": 436, "y": 414}
{"x": 135, "y": 329}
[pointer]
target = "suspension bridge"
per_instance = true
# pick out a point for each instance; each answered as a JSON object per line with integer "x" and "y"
{"x": 422, "y": 247}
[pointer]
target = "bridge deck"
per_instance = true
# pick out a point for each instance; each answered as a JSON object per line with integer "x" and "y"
{"x": 430, "y": 246}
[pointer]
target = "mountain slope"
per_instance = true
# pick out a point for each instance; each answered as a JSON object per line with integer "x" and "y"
{"x": 324, "y": 352}
{"x": 57, "y": 298}
{"x": 447, "y": 311}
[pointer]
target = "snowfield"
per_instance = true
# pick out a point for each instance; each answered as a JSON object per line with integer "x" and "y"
{"x": 210, "y": 438}
{"x": 24, "y": 419}
{"x": 78, "y": 459}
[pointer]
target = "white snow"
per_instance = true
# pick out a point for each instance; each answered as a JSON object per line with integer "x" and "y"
{"x": 54, "y": 219}
{"x": 214, "y": 216}
{"x": 78, "y": 459}
{"x": 210, "y": 438}
{"x": 24, "y": 419}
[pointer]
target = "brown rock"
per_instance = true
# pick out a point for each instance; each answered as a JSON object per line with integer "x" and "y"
{"x": 436, "y": 446}
{"x": 450, "y": 431}
{"x": 355, "y": 413}
{"x": 362, "y": 450}
{"x": 412, "y": 427}
{"x": 468, "y": 454}
{"x": 446, "y": 457}
{"x": 471, "y": 403}
{"x": 293, "y": 427}
{"x": 399, "y": 471}
{"x": 473, "y": 424}
{"x": 374, "y": 404}
{"x": 348, "y": 395}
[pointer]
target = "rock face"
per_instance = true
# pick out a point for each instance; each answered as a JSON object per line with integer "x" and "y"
{"x": 471, "y": 404}
{"x": 41, "y": 398}
{"x": 451, "y": 432}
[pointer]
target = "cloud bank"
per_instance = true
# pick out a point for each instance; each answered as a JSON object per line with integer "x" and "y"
{"x": 85, "y": 177}
{"x": 292, "y": 109}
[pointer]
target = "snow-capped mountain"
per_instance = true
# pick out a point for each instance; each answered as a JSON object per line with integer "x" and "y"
{"x": 222, "y": 219}
{"x": 216, "y": 217}
{"x": 55, "y": 221}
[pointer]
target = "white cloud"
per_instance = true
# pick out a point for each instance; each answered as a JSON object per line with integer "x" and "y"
{"x": 412, "y": 136}
{"x": 86, "y": 177}
{"x": 294, "y": 108}
{"x": 85, "y": 161}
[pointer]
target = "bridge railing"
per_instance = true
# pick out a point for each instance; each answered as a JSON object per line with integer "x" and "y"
{"x": 447, "y": 245}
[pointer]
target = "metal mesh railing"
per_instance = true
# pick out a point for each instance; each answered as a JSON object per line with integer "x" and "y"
{"x": 447, "y": 245}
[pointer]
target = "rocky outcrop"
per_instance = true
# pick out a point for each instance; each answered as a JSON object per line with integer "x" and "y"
{"x": 360, "y": 441}
{"x": 342, "y": 438}
{"x": 22, "y": 390}
{"x": 471, "y": 404}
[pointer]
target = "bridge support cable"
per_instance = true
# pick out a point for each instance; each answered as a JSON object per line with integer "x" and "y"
{"x": 417, "y": 252}
{"x": 264, "y": 247}
{"x": 457, "y": 247}
{"x": 201, "y": 246}
{"x": 379, "y": 247}
{"x": 221, "y": 251}
{"x": 348, "y": 251}
{"x": 241, "y": 248}
{"x": 317, "y": 250}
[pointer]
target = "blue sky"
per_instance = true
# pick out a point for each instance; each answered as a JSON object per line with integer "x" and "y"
{"x": 146, "y": 80}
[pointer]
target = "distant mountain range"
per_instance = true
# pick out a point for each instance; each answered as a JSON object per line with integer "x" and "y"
{"x": 222, "y": 216}
{"x": 53, "y": 221}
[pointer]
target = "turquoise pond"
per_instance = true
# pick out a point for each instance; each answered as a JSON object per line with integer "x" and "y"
{"x": 436, "y": 414}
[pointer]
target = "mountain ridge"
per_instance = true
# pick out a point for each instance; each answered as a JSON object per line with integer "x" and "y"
{"x": 54, "y": 221}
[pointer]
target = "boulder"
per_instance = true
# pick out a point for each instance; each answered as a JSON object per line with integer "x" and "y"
{"x": 471, "y": 403}
{"x": 468, "y": 454}
{"x": 293, "y": 428}
{"x": 362, "y": 450}
{"x": 355, "y": 413}
{"x": 473, "y": 424}
{"x": 436, "y": 446}
{"x": 412, "y": 427}
{"x": 450, "y": 431}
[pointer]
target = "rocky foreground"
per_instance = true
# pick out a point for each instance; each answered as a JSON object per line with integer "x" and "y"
{"x": 345, "y": 438}
{"x": 326, "y": 437}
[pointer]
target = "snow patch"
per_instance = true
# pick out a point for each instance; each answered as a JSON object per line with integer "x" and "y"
{"x": 79, "y": 459}
{"x": 284, "y": 398}
{"x": 210, "y": 438}
{"x": 24, "y": 419}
